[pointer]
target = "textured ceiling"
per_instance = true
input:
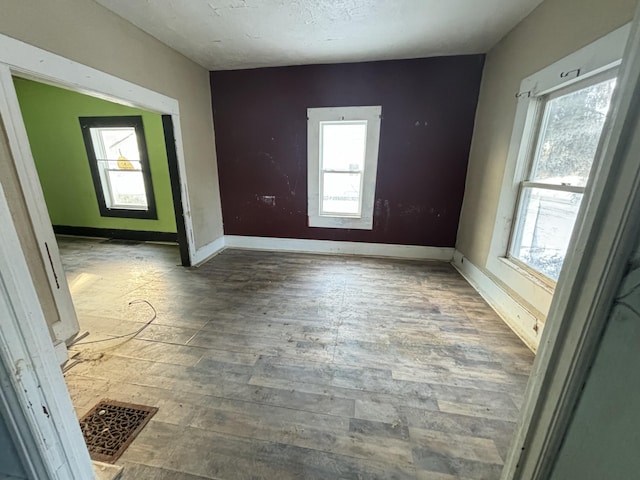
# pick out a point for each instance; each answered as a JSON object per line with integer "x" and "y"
{"x": 232, "y": 34}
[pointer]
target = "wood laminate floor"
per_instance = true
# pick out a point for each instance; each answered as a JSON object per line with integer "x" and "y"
{"x": 288, "y": 366}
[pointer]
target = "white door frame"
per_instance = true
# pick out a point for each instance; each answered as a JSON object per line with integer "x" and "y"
{"x": 602, "y": 243}
{"x": 34, "y": 396}
{"x": 67, "y": 326}
{"x": 24, "y": 60}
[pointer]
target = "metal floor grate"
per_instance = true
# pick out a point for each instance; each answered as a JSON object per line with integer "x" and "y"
{"x": 111, "y": 426}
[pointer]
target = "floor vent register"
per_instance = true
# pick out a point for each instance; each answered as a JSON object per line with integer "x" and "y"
{"x": 111, "y": 426}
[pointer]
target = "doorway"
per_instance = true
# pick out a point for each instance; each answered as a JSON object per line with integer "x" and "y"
{"x": 29, "y": 236}
{"x": 105, "y": 173}
{"x": 41, "y": 251}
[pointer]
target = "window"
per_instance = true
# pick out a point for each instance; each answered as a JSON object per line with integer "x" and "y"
{"x": 559, "y": 117}
{"x": 342, "y": 165}
{"x": 119, "y": 165}
{"x": 569, "y": 124}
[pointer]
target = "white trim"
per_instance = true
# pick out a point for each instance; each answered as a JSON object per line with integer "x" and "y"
{"x": 31, "y": 62}
{"x": 67, "y": 326}
{"x": 19, "y": 432}
{"x": 41, "y": 401}
{"x": 323, "y": 247}
{"x": 597, "y": 57}
{"x": 605, "y": 53}
{"x": 24, "y": 60}
{"x": 207, "y": 252}
{"x": 532, "y": 290}
{"x": 603, "y": 242}
{"x": 43, "y": 66}
{"x": 512, "y": 312}
{"x": 315, "y": 117}
{"x": 339, "y": 248}
{"x": 62, "y": 354}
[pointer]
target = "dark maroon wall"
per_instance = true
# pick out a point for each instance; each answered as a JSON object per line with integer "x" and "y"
{"x": 428, "y": 109}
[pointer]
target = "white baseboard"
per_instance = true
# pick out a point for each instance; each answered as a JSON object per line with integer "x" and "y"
{"x": 327, "y": 247}
{"x": 514, "y": 314}
{"x": 339, "y": 248}
{"x": 208, "y": 251}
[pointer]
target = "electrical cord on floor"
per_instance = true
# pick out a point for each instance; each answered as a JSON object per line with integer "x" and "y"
{"x": 132, "y": 334}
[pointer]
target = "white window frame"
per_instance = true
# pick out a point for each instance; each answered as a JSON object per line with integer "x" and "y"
{"x": 539, "y": 104}
{"x": 602, "y": 55}
{"x": 315, "y": 118}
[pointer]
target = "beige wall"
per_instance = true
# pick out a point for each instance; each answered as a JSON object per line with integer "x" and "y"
{"x": 552, "y": 31}
{"x": 86, "y": 32}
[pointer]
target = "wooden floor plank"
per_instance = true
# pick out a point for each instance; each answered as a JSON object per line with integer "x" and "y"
{"x": 290, "y": 366}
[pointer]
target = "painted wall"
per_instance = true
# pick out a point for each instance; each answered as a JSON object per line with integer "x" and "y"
{"x": 90, "y": 34}
{"x": 51, "y": 117}
{"x": 428, "y": 107}
{"x": 552, "y": 31}
{"x": 604, "y": 435}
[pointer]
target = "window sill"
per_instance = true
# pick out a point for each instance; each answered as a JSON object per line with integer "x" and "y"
{"x": 149, "y": 214}
{"x": 341, "y": 222}
{"x": 527, "y": 286}
{"x": 527, "y": 274}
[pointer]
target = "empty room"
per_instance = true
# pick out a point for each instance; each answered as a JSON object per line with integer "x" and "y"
{"x": 319, "y": 240}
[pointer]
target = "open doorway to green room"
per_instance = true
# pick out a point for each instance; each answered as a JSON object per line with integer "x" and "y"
{"x": 72, "y": 136}
{"x": 108, "y": 178}
{"x": 40, "y": 314}
{"x": 108, "y": 175}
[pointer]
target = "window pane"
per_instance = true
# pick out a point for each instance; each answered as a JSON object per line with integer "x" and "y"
{"x": 545, "y": 223}
{"x": 127, "y": 189}
{"x": 341, "y": 193}
{"x": 115, "y": 143}
{"x": 120, "y": 165}
{"x": 569, "y": 135}
{"x": 343, "y": 145}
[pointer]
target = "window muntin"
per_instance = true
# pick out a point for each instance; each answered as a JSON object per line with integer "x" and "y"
{"x": 117, "y": 155}
{"x": 342, "y": 164}
{"x": 567, "y": 136}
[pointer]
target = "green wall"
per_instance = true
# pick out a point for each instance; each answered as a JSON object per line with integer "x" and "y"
{"x": 51, "y": 117}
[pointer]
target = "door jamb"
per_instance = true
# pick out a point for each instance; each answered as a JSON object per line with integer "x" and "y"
{"x": 26, "y": 349}
{"x": 174, "y": 176}
{"x": 37, "y": 403}
{"x": 67, "y": 326}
